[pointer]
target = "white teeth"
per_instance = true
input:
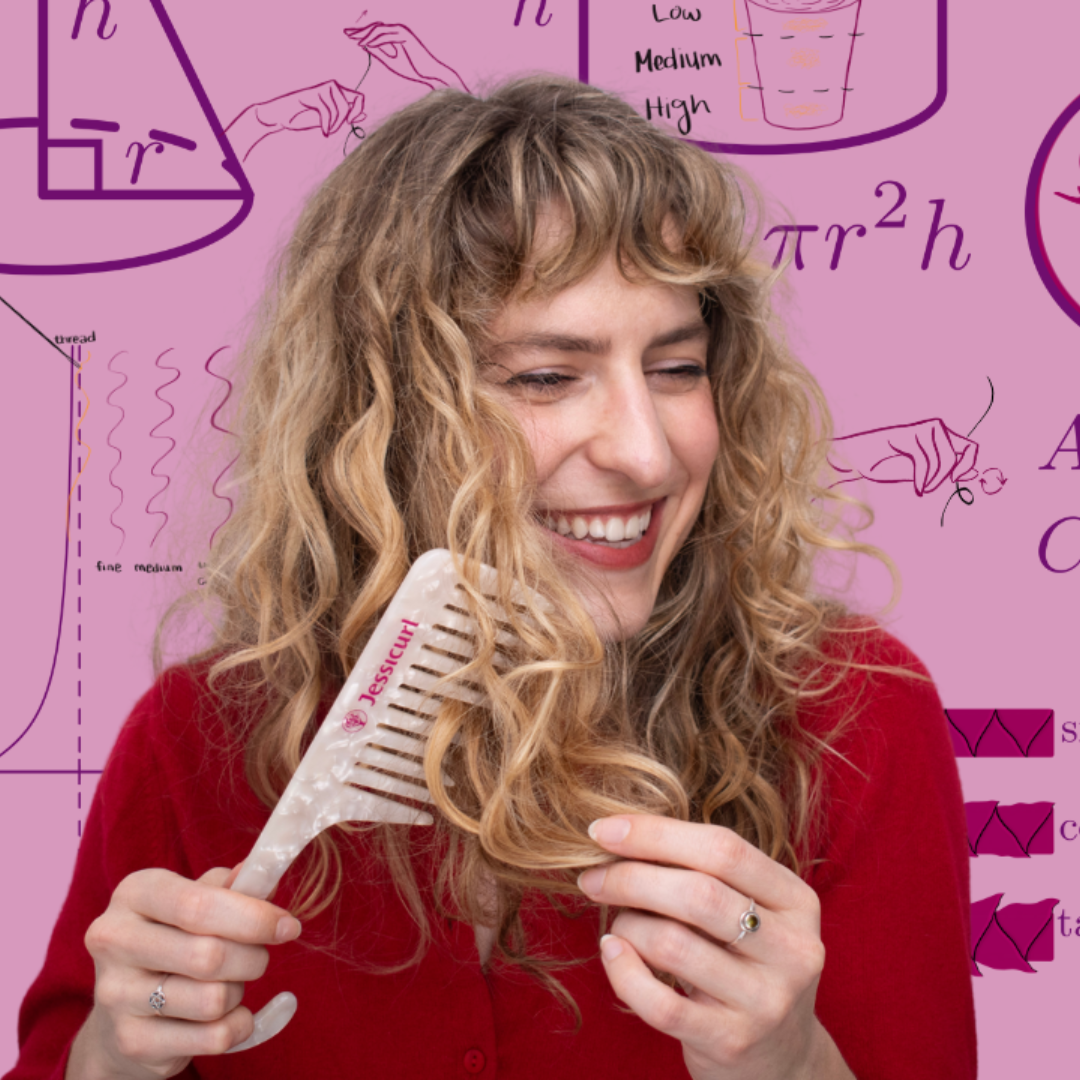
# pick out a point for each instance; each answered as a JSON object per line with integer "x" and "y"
{"x": 608, "y": 530}
{"x": 615, "y": 531}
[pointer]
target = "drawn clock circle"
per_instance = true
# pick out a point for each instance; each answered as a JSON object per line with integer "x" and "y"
{"x": 1052, "y": 211}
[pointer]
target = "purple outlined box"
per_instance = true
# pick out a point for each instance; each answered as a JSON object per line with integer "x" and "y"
{"x": 719, "y": 74}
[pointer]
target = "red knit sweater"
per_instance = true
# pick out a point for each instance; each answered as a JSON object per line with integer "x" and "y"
{"x": 893, "y": 882}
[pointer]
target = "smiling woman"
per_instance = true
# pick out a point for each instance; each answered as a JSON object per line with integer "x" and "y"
{"x": 532, "y": 329}
{"x": 609, "y": 381}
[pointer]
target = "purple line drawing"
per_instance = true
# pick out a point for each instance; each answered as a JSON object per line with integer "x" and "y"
{"x": 401, "y": 51}
{"x": 1009, "y": 938}
{"x": 119, "y": 452}
{"x": 986, "y": 733}
{"x": 924, "y": 454}
{"x": 802, "y": 52}
{"x": 217, "y": 427}
{"x": 67, "y": 551}
{"x": 198, "y": 165}
{"x": 172, "y": 445}
{"x": 1065, "y": 296}
{"x": 95, "y": 125}
{"x": 1015, "y": 830}
{"x": 939, "y": 29}
{"x": 330, "y": 106}
{"x": 327, "y": 105}
{"x": 172, "y": 140}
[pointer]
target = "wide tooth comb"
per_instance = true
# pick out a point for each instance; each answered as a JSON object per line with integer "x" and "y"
{"x": 368, "y": 752}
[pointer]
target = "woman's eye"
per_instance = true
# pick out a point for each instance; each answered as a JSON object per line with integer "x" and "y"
{"x": 686, "y": 373}
{"x": 542, "y": 382}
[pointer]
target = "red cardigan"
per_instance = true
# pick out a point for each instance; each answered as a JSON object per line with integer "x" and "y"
{"x": 893, "y": 881}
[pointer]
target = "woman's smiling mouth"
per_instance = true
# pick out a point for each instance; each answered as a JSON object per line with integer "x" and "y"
{"x": 616, "y": 538}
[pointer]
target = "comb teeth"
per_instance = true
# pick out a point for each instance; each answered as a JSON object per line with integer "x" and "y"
{"x": 366, "y": 759}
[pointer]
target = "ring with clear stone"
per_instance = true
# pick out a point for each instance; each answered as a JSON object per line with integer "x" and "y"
{"x": 157, "y": 998}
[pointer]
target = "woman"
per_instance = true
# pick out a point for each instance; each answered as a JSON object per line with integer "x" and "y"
{"x": 530, "y": 329}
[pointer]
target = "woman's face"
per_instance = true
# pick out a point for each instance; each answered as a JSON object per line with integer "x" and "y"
{"x": 608, "y": 382}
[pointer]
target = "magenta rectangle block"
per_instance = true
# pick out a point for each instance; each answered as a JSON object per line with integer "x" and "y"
{"x": 1015, "y": 830}
{"x": 1010, "y": 938}
{"x": 1025, "y": 733}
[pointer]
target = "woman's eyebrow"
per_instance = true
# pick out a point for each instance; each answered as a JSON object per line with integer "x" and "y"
{"x": 573, "y": 343}
{"x": 545, "y": 342}
{"x": 691, "y": 331}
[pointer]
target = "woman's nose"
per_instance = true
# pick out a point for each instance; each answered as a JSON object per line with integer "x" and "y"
{"x": 629, "y": 436}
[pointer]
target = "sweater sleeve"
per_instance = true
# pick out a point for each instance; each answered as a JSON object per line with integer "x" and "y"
{"x": 130, "y": 826}
{"x": 893, "y": 882}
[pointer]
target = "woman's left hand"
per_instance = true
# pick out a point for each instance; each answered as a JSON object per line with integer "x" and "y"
{"x": 749, "y": 1006}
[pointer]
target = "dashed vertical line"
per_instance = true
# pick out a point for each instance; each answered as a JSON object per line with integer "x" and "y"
{"x": 78, "y": 711}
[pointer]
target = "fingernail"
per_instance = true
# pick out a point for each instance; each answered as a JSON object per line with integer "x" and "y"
{"x": 610, "y": 947}
{"x": 609, "y": 830}
{"x": 592, "y": 881}
{"x": 288, "y": 929}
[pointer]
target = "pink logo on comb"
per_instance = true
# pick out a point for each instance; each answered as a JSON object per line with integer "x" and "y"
{"x": 354, "y": 720}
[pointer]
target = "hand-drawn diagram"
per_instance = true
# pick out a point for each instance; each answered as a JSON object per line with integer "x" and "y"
{"x": 924, "y": 454}
{"x": 1012, "y": 937}
{"x": 401, "y": 51}
{"x": 1015, "y": 830}
{"x": 1052, "y": 211}
{"x": 38, "y": 591}
{"x": 986, "y": 733}
{"x": 132, "y": 165}
{"x": 329, "y": 105}
{"x": 802, "y": 53}
{"x": 782, "y": 77}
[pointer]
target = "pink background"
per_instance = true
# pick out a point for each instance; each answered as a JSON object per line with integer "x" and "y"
{"x": 890, "y": 342}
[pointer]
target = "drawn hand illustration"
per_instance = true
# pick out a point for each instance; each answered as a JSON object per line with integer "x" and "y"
{"x": 1008, "y": 938}
{"x": 1015, "y": 830}
{"x": 925, "y": 454}
{"x": 398, "y": 49}
{"x": 327, "y": 105}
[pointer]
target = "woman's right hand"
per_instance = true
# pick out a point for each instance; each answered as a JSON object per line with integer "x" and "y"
{"x": 209, "y": 940}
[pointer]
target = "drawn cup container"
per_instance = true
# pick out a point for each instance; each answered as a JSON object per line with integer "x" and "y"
{"x": 803, "y": 50}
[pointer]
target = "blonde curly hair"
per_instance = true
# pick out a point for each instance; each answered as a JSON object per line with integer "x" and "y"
{"x": 368, "y": 438}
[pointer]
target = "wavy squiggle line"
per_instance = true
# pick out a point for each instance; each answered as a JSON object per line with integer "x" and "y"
{"x": 119, "y": 452}
{"x": 79, "y": 442}
{"x": 153, "y": 435}
{"x": 217, "y": 427}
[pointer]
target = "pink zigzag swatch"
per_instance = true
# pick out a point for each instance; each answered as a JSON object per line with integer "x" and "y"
{"x": 1017, "y": 830}
{"x": 172, "y": 445}
{"x": 119, "y": 452}
{"x": 1010, "y": 938}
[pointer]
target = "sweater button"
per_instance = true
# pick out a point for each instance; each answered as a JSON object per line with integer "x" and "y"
{"x": 474, "y": 1061}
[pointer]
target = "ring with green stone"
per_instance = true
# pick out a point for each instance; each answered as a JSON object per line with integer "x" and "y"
{"x": 749, "y": 923}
